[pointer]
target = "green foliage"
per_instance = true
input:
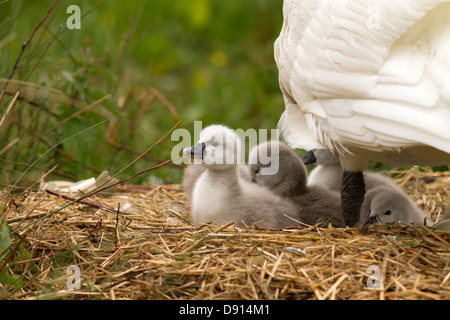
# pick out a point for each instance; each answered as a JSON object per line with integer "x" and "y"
{"x": 211, "y": 59}
{"x": 5, "y": 243}
{"x": 12, "y": 280}
{"x": 5, "y": 240}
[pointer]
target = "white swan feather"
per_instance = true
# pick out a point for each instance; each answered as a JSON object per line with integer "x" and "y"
{"x": 370, "y": 92}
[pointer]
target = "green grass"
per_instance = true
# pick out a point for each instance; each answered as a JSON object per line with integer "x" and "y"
{"x": 211, "y": 59}
{"x": 94, "y": 99}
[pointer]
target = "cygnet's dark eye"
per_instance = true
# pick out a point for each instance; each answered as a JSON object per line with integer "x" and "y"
{"x": 256, "y": 171}
{"x": 388, "y": 212}
{"x": 214, "y": 144}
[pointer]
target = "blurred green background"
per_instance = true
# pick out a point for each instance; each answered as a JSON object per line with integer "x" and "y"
{"x": 160, "y": 62}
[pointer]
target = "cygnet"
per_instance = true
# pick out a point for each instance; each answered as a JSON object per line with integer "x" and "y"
{"x": 384, "y": 199}
{"x": 289, "y": 180}
{"x": 328, "y": 172}
{"x": 386, "y": 205}
{"x": 444, "y": 223}
{"x": 221, "y": 196}
{"x": 193, "y": 171}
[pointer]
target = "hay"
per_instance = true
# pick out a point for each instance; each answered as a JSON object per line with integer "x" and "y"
{"x": 150, "y": 250}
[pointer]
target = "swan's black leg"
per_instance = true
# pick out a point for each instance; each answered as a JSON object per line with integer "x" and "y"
{"x": 352, "y": 196}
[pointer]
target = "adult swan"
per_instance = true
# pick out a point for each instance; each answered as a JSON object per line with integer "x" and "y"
{"x": 369, "y": 80}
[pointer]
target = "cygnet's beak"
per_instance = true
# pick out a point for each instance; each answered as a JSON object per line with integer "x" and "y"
{"x": 196, "y": 151}
{"x": 371, "y": 221}
{"x": 309, "y": 158}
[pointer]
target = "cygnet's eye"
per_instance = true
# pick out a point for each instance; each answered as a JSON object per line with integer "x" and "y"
{"x": 256, "y": 171}
{"x": 215, "y": 144}
{"x": 388, "y": 212}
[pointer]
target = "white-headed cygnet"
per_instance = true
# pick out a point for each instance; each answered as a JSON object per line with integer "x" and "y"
{"x": 221, "y": 196}
{"x": 191, "y": 173}
{"x": 384, "y": 201}
{"x": 315, "y": 205}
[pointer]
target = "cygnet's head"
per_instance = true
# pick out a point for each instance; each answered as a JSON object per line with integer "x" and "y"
{"x": 321, "y": 157}
{"x": 275, "y": 166}
{"x": 218, "y": 147}
{"x": 388, "y": 205}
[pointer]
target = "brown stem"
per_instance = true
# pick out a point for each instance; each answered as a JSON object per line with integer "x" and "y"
{"x": 25, "y": 44}
{"x": 80, "y": 201}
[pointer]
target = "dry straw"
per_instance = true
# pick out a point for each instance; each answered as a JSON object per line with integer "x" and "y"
{"x": 147, "y": 248}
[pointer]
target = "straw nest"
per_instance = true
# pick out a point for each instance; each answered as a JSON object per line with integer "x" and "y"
{"x": 150, "y": 250}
